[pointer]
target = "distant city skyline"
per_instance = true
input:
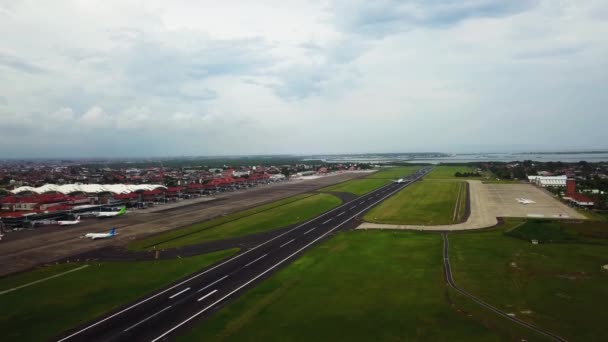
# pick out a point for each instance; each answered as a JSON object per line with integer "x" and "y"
{"x": 138, "y": 78}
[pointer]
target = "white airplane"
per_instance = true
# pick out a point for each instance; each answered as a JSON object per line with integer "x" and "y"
{"x": 94, "y": 236}
{"x": 103, "y": 214}
{"x": 69, "y": 223}
{"x": 525, "y": 201}
{"x": 400, "y": 180}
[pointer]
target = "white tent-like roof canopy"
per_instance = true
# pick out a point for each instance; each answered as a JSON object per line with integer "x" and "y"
{"x": 89, "y": 188}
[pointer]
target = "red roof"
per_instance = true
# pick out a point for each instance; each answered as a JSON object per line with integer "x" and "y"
{"x": 195, "y": 186}
{"x": 175, "y": 189}
{"x": 40, "y": 199}
{"x": 580, "y": 198}
{"x": 59, "y": 207}
{"x": 128, "y": 196}
{"x": 152, "y": 192}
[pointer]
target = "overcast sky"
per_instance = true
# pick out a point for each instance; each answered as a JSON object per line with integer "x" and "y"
{"x": 165, "y": 78}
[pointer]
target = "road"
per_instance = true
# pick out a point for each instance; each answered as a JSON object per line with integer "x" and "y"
{"x": 164, "y": 314}
{"x": 450, "y": 279}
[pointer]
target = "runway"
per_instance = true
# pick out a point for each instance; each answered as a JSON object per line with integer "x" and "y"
{"x": 177, "y": 307}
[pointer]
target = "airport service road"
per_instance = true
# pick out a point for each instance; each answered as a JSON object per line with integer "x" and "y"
{"x": 164, "y": 314}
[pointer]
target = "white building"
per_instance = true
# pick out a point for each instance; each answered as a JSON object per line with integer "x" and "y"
{"x": 547, "y": 181}
{"x": 277, "y": 177}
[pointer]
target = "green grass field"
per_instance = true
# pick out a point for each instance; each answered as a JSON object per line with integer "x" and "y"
{"x": 559, "y": 287}
{"x": 267, "y": 217}
{"x": 358, "y": 286}
{"x": 554, "y": 231}
{"x": 394, "y": 172}
{"x": 461, "y": 203}
{"x": 358, "y": 186}
{"x": 593, "y": 215}
{"x": 44, "y": 310}
{"x": 425, "y": 203}
{"x": 447, "y": 172}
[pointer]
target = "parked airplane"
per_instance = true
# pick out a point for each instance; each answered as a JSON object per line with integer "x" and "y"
{"x": 525, "y": 201}
{"x": 94, "y": 236}
{"x": 400, "y": 180}
{"x": 102, "y": 214}
{"x": 69, "y": 223}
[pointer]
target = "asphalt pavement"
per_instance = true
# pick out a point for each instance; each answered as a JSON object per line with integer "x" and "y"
{"x": 179, "y": 306}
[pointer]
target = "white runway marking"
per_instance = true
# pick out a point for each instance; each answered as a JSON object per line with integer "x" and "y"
{"x": 326, "y": 221}
{"x": 196, "y": 276}
{"x": 340, "y": 214}
{"x": 536, "y": 215}
{"x": 266, "y": 271}
{"x": 287, "y": 243}
{"x": 256, "y": 260}
{"x": 179, "y": 293}
{"x": 310, "y": 230}
{"x": 147, "y": 318}
{"x": 215, "y": 282}
{"x": 43, "y": 279}
{"x": 207, "y": 295}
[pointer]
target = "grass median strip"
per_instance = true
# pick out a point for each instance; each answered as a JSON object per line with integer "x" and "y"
{"x": 372, "y": 182}
{"x": 425, "y": 203}
{"x": 43, "y": 279}
{"x": 394, "y": 172}
{"x": 46, "y": 309}
{"x": 357, "y": 186}
{"x": 267, "y": 217}
{"x": 358, "y": 286}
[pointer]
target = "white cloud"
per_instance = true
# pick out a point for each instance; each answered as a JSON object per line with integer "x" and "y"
{"x": 190, "y": 77}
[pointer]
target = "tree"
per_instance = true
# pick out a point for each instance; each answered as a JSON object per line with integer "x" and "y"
{"x": 519, "y": 173}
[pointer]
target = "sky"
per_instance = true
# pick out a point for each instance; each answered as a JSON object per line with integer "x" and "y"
{"x": 168, "y": 78}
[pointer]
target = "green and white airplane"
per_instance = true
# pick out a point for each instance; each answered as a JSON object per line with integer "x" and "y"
{"x": 104, "y": 214}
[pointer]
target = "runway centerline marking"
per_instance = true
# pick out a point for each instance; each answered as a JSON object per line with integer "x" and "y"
{"x": 205, "y": 272}
{"x": 269, "y": 269}
{"x": 326, "y": 221}
{"x": 215, "y": 282}
{"x": 147, "y": 318}
{"x": 256, "y": 260}
{"x": 207, "y": 295}
{"x": 179, "y": 293}
{"x": 310, "y": 230}
{"x": 287, "y": 243}
{"x": 340, "y": 214}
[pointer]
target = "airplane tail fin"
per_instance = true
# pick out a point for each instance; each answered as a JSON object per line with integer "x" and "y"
{"x": 113, "y": 232}
{"x": 122, "y": 210}
{"x": 77, "y": 218}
